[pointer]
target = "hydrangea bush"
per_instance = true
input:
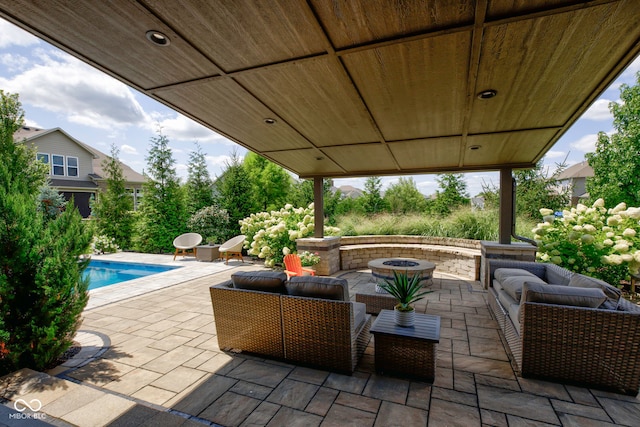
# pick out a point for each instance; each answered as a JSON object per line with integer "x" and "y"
{"x": 211, "y": 222}
{"x": 103, "y": 244}
{"x": 599, "y": 242}
{"x": 272, "y": 235}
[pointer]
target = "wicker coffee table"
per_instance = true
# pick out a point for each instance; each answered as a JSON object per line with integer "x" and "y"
{"x": 375, "y": 301}
{"x": 407, "y": 352}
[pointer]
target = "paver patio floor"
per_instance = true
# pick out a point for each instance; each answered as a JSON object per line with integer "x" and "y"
{"x": 160, "y": 352}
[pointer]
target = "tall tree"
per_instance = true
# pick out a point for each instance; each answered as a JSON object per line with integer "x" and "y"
{"x": 42, "y": 292}
{"x": 199, "y": 183}
{"x": 373, "y": 201}
{"x": 617, "y": 158}
{"x": 453, "y": 194}
{"x": 163, "y": 213}
{"x": 536, "y": 188}
{"x": 113, "y": 208}
{"x": 271, "y": 183}
{"x": 234, "y": 193}
{"x": 404, "y": 197}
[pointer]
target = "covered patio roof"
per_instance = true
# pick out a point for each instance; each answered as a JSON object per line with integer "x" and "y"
{"x": 356, "y": 87}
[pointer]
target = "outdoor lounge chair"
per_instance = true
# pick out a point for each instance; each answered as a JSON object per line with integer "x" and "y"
{"x": 232, "y": 248}
{"x": 293, "y": 266}
{"x": 186, "y": 241}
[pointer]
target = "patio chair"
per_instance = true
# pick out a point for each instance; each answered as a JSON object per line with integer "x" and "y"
{"x": 232, "y": 248}
{"x": 293, "y": 266}
{"x": 186, "y": 241}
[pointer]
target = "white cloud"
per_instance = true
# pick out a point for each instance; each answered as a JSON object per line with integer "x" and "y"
{"x": 128, "y": 149}
{"x": 10, "y": 35}
{"x": 586, "y": 144}
{"x": 181, "y": 128}
{"x": 599, "y": 111}
{"x": 13, "y": 62}
{"x": 554, "y": 154}
{"x": 218, "y": 161}
{"x": 632, "y": 69}
{"x": 64, "y": 85}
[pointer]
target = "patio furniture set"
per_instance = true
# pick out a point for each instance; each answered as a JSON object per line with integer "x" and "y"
{"x": 310, "y": 320}
{"x": 566, "y": 327}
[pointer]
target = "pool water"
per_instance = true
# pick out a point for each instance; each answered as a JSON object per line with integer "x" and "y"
{"x": 105, "y": 273}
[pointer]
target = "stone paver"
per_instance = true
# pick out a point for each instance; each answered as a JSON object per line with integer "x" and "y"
{"x": 163, "y": 365}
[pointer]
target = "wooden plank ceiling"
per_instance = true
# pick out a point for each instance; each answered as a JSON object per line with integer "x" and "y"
{"x": 359, "y": 87}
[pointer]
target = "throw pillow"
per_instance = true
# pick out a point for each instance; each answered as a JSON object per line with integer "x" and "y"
{"x": 513, "y": 285}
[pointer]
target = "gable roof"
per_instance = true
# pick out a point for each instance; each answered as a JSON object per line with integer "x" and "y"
{"x": 579, "y": 170}
{"x": 30, "y": 134}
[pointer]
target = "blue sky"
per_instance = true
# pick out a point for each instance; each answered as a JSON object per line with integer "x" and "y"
{"x": 57, "y": 90}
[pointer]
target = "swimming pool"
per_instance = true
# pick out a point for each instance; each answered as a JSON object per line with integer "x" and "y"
{"x": 105, "y": 273}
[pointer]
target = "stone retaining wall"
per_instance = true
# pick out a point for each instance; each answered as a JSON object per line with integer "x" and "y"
{"x": 461, "y": 257}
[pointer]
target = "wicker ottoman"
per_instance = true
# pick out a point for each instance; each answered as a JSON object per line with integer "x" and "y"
{"x": 373, "y": 300}
{"x": 408, "y": 352}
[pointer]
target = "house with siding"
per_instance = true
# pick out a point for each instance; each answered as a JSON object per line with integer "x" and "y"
{"x": 75, "y": 169}
{"x": 575, "y": 178}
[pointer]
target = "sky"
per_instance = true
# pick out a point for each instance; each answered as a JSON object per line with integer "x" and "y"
{"x": 57, "y": 90}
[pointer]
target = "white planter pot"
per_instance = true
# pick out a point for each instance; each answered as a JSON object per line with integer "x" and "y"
{"x": 404, "y": 318}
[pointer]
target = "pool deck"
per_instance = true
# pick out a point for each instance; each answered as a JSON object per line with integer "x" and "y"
{"x": 152, "y": 359}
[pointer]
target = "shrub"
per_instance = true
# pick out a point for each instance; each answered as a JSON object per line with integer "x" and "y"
{"x": 103, "y": 244}
{"x": 211, "y": 222}
{"x": 272, "y": 235}
{"x": 592, "y": 240}
{"x": 309, "y": 259}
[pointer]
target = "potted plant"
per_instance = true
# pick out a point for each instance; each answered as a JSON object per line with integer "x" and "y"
{"x": 407, "y": 291}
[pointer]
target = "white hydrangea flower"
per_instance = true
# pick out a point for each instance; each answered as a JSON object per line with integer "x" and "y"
{"x": 619, "y": 208}
{"x": 629, "y": 232}
{"x": 546, "y": 212}
{"x": 556, "y": 260}
{"x": 286, "y": 251}
{"x": 587, "y": 238}
{"x": 598, "y": 203}
{"x": 608, "y": 242}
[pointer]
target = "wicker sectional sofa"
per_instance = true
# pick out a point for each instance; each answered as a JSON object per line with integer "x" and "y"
{"x": 566, "y": 327}
{"x": 306, "y": 320}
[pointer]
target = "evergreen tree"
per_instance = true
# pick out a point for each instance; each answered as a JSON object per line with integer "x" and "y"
{"x": 163, "y": 213}
{"x": 536, "y": 189}
{"x": 234, "y": 192}
{"x": 271, "y": 183}
{"x": 113, "y": 208}
{"x": 373, "y": 201}
{"x": 42, "y": 292}
{"x": 199, "y": 184}
{"x": 453, "y": 194}
{"x": 617, "y": 158}
{"x": 404, "y": 197}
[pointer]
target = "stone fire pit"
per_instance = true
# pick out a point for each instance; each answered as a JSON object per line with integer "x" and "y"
{"x": 383, "y": 268}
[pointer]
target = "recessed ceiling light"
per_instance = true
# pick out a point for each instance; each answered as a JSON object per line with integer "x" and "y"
{"x": 158, "y": 38}
{"x": 270, "y": 121}
{"x": 487, "y": 94}
{"x": 475, "y": 147}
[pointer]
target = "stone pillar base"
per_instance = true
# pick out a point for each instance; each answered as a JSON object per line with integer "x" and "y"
{"x": 495, "y": 250}
{"x": 329, "y": 250}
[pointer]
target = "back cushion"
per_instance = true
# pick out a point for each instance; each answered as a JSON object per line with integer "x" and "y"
{"x": 513, "y": 285}
{"x": 562, "y": 295}
{"x": 318, "y": 287}
{"x": 502, "y": 273}
{"x": 266, "y": 281}
{"x": 580, "y": 281}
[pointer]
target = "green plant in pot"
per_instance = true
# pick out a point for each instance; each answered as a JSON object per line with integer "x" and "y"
{"x": 407, "y": 290}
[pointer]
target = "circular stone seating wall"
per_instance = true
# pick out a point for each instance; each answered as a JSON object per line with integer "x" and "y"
{"x": 455, "y": 256}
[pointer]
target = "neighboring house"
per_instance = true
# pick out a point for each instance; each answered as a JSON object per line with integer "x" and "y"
{"x": 75, "y": 169}
{"x": 350, "y": 191}
{"x": 575, "y": 178}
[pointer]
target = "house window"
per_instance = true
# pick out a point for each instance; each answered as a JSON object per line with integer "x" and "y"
{"x": 58, "y": 165}
{"x": 72, "y": 166}
{"x": 44, "y": 158}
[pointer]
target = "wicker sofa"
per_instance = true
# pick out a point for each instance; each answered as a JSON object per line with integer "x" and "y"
{"x": 306, "y": 320}
{"x": 566, "y": 327}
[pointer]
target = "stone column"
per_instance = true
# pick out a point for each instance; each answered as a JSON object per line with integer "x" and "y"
{"x": 495, "y": 250}
{"x": 329, "y": 250}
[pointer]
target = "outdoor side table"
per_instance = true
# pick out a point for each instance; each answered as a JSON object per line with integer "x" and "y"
{"x": 208, "y": 252}
{"x": 407, "y": 352}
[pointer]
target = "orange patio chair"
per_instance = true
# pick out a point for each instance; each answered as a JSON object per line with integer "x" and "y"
{"x": 293, "y": 266}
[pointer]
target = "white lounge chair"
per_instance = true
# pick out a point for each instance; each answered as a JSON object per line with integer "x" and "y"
{"x": 232, "y": 248}
{"x": 186, "y": 241}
